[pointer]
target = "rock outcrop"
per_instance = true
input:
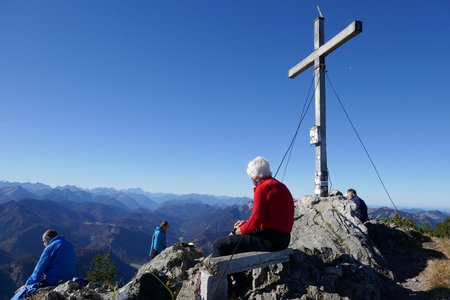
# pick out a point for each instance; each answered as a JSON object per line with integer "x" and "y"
{"x": 72, "y": 290}
{"x": 338, "y": 257}
{"x": 182, "y": 265}
{"x": 177, "y": 262}
{"x": 328, "y": 228}
{"x": 334, "y": 257}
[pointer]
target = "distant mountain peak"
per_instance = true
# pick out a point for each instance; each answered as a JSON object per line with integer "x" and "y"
{"x": 16, "y": 188}
{"x": 134, "y": 191}
{"x": 419, "y": 216}
{"x": 103, "y": 190}
{"x": 72, "y": 188}
{"x": 15, "y": 193}
{"x": 38, "y": 186}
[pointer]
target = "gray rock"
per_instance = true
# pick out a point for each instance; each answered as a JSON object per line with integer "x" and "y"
{"x": 182, "y": 267}
{"x": 190, "y": 289}
{"x": 278, "y": 293}
{"x": 72, "y": 290}
{"x": 263, "y": 277}
{"x": 53, "y": 296}
{"x": 67, "y": 287}
{"x": 92, "y": 285}
{"x": 334, "y": 256}
{"x": 335, "y": 192}
{"x": 174, "y": 261}
{"x": 328, "y": 227}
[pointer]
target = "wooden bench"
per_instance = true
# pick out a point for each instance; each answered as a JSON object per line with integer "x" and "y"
{"x": 216, "y": 267}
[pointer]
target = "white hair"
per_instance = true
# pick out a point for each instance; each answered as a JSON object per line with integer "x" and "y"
{"x": 258, "y": 168}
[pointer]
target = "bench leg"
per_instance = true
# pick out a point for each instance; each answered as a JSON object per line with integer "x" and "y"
{"x": 208, "y": 285}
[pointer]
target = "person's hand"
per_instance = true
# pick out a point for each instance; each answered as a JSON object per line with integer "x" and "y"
{"x": 236, "y": 230}
{"x": 19, "y": 289}
{"x": 238, "y": 223}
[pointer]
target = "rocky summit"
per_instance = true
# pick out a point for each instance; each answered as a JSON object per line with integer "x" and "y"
{"x": 73, "y": 290}
{"x": 335, "y": 256}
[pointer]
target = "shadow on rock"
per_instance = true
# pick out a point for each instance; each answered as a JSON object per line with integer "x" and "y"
{"x": 403, "y": 250}
{"x": 397, "y": 292}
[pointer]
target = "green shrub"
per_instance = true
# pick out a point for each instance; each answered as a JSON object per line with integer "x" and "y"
{"x": 384, "y": 220}
{"x": 403, "y": 222}
{"x": 102, "y": 270}
{"x": 426, "y": 229}
{"x": 442, "y": 229}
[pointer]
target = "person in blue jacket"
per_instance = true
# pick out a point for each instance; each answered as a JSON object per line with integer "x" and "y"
{"x": 57, "y": 261}
{"x": 361, "y": 207}
{"x": 159, "y": 239}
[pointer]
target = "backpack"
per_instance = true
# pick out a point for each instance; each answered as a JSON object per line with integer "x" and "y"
{"x": 150, "y": 286}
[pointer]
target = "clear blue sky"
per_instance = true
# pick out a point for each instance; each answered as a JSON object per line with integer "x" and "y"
{"x": 177, "y": 96}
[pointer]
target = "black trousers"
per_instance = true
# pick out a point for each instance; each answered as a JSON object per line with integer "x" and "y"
{"x": 263, "y": 240}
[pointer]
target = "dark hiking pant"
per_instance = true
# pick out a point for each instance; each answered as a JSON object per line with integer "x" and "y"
{"x": 263, "y": 240}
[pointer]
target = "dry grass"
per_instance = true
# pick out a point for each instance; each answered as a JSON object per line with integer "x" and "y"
{"x": 437, "y": 272}
{"x": 35, "y": 297}
{"x": 443, "y": 245}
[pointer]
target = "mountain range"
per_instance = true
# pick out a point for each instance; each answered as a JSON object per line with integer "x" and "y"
{"x": 420, "y": 217}
{"x": 96, "y": 228}
{"x": 129, "y": 199}
{"x": 120, "y": 222}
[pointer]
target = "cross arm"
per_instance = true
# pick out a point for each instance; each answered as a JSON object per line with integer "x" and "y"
{"x": 350, "y": 31}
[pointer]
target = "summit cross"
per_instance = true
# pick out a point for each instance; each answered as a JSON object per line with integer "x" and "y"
{"x": 317, "y": 58}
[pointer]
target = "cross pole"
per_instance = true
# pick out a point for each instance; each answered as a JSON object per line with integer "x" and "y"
{"x": 318, "y": 132}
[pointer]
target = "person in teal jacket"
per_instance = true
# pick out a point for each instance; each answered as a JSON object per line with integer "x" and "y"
{"x": 159, "y": 239}
{"x": 57, "y": 261}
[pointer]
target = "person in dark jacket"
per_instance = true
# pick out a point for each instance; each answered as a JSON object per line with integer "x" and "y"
{"x": 57, "y": 261}
{"x": 361, "y": 207}
{"x": 269, "y": 226}
{"x": 159, "y": 239}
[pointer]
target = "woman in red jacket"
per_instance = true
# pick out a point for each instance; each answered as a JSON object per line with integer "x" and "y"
{"x": 270, "y": 224}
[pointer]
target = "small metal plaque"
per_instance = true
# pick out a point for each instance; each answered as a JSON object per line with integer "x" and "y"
{"x": 314, "y": 135}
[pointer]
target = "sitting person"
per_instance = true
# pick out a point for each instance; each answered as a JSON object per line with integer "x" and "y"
{"x": 270, "y": 224}
{"x": 56, "y": 264}
{"x": 361, "y": 207}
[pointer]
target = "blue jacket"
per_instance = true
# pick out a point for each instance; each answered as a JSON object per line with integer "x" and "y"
{"x": 361, "y": 209}
{"x": 57, "y": 262}
{"x": 159, "y": 240}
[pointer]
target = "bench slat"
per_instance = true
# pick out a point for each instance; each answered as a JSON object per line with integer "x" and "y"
{"x": 249, "y": 260}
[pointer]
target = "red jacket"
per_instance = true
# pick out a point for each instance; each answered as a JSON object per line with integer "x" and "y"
{"x": 273, "y": 208}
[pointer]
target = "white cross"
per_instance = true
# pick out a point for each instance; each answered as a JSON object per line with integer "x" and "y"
{"x": 318, "y": 132}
